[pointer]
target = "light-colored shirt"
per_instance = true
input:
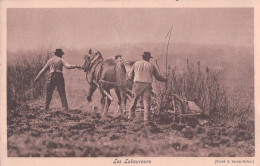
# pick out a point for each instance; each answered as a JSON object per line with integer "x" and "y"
{"x": 143, "y": 71}
{"x": 55, "y": 64}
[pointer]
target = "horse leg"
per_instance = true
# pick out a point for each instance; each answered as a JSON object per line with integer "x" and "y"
{"x": 121, "y": 95}
{"x": 141, "y": 100}
{"x": 103, "y": 102}
{"x": 92, "y": 89}
{"x": 128, "y": 95}
{"x": 119, "y": 110}
{"x": 125, "y": 101}
{"x": 108, "y": 102}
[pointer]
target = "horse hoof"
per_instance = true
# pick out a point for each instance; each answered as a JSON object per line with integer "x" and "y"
{"x": 105, "y": 114}
{"x": 94, "y": 108}
{"x": 125, "y": 112}
{"x": 89, "y": 99}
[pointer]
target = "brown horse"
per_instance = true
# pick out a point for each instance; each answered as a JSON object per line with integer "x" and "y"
{"x": 105, "y": 75}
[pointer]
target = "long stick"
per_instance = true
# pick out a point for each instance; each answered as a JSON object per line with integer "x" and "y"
{"x": 103, "y": 91}
{"x": 165, "y": 41}
{"x": 157, "y": 66}
{"x": 167, "y": 54}
{"x": 158, "y": 86}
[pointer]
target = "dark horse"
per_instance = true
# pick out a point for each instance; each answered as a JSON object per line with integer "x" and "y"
{"x": 105, "y": 75}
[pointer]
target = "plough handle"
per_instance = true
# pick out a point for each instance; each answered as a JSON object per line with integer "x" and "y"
{"x": 103, "y": 91}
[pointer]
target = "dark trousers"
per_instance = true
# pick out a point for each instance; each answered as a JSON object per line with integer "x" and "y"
{"x": 144, "y": 90}
{"x": 56, "y": 79}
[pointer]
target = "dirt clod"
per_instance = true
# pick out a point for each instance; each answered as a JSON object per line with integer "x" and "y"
{"x": 77, "y": 133}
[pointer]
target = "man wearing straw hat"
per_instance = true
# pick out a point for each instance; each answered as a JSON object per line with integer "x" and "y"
{"x": 55, "y": 65}
{"x": 142, "y": 73}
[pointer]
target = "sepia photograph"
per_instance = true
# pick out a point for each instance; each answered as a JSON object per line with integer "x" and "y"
{"x": 131, "y": 84}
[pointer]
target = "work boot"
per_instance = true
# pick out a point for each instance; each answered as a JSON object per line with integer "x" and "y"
{"x": 94, "y": 108}
{"x": 131, "y": 116}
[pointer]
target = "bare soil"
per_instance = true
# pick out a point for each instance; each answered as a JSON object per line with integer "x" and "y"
{"x": 33, "y": 132}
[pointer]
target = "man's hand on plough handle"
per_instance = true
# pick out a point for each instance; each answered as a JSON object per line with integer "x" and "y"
{"x": 79, "y": 67}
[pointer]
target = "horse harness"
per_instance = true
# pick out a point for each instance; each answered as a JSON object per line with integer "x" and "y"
{"x": 92, "y": 67}
{"x": 90, "y": 71}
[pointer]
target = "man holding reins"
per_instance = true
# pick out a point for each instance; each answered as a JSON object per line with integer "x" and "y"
{"x": 55, "y": 65}
{"x": 142, "y": 73}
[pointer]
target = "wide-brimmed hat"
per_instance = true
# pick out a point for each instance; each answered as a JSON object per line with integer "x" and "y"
{"x": 147, "y": 54}
{"x": 58, "y": 52}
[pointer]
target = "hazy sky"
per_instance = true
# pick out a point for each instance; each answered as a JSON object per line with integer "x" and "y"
{"x": 30, "y": 29}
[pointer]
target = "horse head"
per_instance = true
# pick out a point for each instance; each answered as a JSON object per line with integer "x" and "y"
{"x": 89, "y": 58}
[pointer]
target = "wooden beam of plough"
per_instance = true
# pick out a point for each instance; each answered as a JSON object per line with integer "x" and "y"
{"x": 114, "y": 84}
{"x": 129, "y": 98}
{"x": 103, "y": 91}
{"x": 128, "y": 90}
{"x": 192, "y": 105}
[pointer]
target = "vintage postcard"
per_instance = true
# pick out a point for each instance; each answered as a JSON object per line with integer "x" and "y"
{"x": 130, "y": 83}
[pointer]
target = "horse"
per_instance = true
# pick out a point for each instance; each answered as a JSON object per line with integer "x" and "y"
{"x": 106, "y": 75}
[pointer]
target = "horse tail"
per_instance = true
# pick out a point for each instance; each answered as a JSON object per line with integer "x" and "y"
{"x": 120, "y": 74}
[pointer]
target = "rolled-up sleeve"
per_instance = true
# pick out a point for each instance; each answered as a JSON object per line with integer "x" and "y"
{"x": 157, "y": 76}
{"x": 67, "y": 65}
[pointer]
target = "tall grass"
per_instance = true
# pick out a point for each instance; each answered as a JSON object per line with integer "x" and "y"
{"x": 206, "y": 88}
{"x": 203, "y": 85}
{"x": 21, "y": 73}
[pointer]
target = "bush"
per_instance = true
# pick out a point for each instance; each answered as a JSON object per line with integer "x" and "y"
{"x": 20, "y": 76}
{"x": 205, "y": 88}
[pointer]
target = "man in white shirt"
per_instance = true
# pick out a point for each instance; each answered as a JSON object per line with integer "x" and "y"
{"x": 142, "y": 72}
{"x": 55, "y": 65}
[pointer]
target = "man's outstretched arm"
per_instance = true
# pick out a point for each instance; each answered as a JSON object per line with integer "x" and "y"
{"x": 157, "y": 76}
{"x": 68, "y": 66}
{"x": 44, "y": 69}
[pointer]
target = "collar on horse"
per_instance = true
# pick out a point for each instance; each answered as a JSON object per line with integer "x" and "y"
{"x": 94, "y": 62}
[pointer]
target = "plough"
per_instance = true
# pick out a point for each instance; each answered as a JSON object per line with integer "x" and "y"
{"x": 189, "y": 111}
